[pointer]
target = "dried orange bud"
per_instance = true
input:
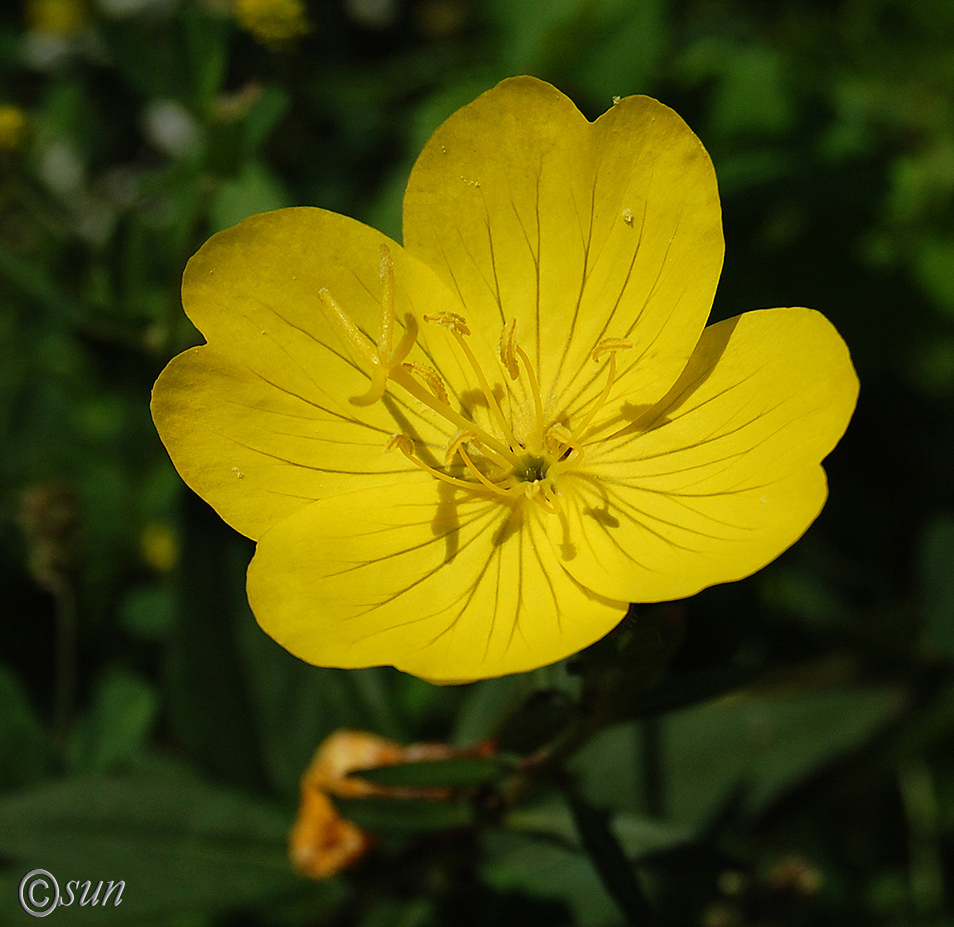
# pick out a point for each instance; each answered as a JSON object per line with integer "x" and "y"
{"x": 322, "y": 843}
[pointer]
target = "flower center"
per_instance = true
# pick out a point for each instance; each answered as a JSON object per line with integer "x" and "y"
{"x": 498, "y": 463}
{"x": 532, "y": 468}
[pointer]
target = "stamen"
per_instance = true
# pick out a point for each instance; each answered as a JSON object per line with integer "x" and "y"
{"x": 455, "y": 444}
{"x": 560, "y": 440}
{"x": 402, "y": 376}
{"x": 507, "y": 342}
{"x": 553, "y": 497}
{"x": 379, "y": 383}
{"x": 509, "y": 350}
{"x": 458, "y": 327}
{"x": 408, "y": 340}
{"x": 536, "y": 492}
{"x": 537, "y": 401}
{"x": 405, "y": 445}
{"x": 432, "y": 378}
{"x": 483, "y": 479}
{"x": 473, "y": 436}
{"x": 567, "y": 548}
{"x": 611, "y": 345}
{"x": 456, "y": 323}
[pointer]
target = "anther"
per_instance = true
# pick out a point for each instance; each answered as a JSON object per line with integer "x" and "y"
{"x": 560, "y": 442}
{"x": 456, "y": 443}
{"x": 405, "y": 445}
{"x": 458, "y": 327}
{"x": 509, "y": 352}
{"x": 609, "y": 346}
{"x": 432, "y": 378}
{"x": 508, "y": 343}
{"x": 537, "y": 492}
{"x": 401, "y": 443}
{"x": 457, "y": 323}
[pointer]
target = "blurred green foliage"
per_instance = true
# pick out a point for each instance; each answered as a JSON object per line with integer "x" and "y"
{"x": 782, "y": 757}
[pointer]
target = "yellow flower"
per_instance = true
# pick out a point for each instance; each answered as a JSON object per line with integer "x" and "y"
{"x": 57, "y": 17}
{"x": 13, "y": 127}
{"x": 272, "y": 21}
{"x": 160, "y": 547}
{"x": 466, "y": 455}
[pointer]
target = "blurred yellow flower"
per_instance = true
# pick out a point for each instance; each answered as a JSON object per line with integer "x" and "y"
{"x": 13, "y": 127}
{"x": 565, "y": 434}
{"x": 272, "y": 21}
{"x": 57, "y": 17}
{"x": 322, "y": 842}
{"x": 160, "y": 547}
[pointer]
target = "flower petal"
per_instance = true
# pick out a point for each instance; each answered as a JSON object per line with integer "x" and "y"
{"x": 259, "y": 422}
{"x": 581, "y": 231}
{"x": 448, "y": 585}
{"x": 722, "y": 475}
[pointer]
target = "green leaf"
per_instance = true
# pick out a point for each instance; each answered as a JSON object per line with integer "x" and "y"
{"x": 181, "y": 846}
{"x": 24, "y": 742}
{"x": 639, "y": 836}
{"x": 116, "y": 725}
{"x": 680, "y": 690}
{"x": 628, "y": 42}
{"x": 614, "y": 869}
{"x": 937, "y": 585}
{"x": 209, "y": 706}
{"x": 457, "y": 772}
{"x": 263, "y": 116}
{"x": 756, "y": 746}
{"x": 413, "y": 815}
{"x": 934, "y": 270}
{"x": 486, "y": 706}
{"x": 146, "y": 612}
{"x": 374, "y": 692}
{"x": 516, "y": 863}
{"x": 296, "y": 705}
{"x": 255, "y": 189}
{"x": 753, "y": 95}
{"x": 40, "y": 289}
{"x": 206, "y": 38}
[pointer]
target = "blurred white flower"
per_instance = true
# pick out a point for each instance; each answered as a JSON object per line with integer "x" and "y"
{"x": 61, "y": 168}
{"x": 120, "y": 9}
{"x": 171, "y": 128}
{"x": 379, "y": 14}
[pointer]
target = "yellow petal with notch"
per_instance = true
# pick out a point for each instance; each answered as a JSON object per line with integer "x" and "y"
{"x": 447, "y": 585}
{"x": 260, "y": 421}
{"x": 723, "y": 474}
{"x": 580, "y": 231}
